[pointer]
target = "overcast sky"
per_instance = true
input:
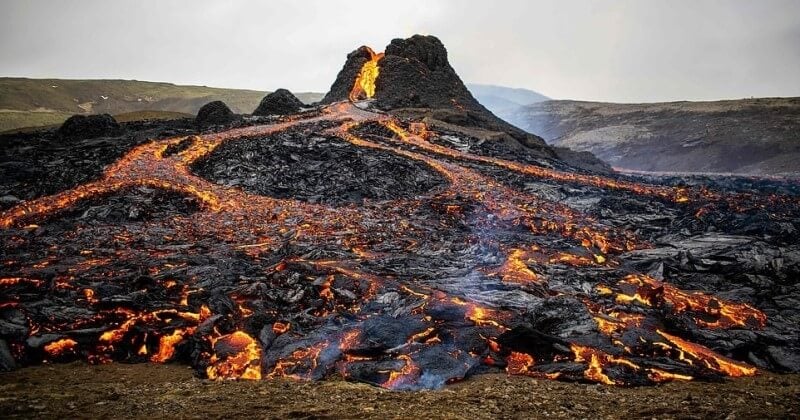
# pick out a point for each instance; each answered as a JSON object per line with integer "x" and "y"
{"x": 624, "y": 51}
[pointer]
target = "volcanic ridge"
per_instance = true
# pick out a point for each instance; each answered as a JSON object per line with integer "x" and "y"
{"x": 397, "y": 233}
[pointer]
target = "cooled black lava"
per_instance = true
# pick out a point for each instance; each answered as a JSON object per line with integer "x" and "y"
{"x": 316, "y": 169}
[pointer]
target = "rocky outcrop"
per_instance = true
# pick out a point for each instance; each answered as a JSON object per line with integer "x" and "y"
{"x": 214, "y": 113}
{"x": 415, "y": 73}
{"x": 280, "y": 102}
{"x": 584, "y": 160}
{"x": 89, "y": 126}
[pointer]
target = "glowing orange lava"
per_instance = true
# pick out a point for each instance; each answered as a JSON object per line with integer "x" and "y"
{"x": 710, "y": 358}
{"x": 515, "y": 270}
{"x": 364, "y": 86}
{"x": 167, "y": 343}
{"x": 724, "y": 314}
{"x": 244, "y": 363}
{"x": 60, "y": 347}
{"x": 519, "y": 363}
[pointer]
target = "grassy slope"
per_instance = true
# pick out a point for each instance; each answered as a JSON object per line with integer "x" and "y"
{"x": 151, "y": 115}
{"x": 15, "y": 120}
{"x": 35, "y": 102}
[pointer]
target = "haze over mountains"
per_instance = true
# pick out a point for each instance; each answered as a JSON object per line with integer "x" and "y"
{"x": 501, "y": 99}
{"x": 28, "y": 102}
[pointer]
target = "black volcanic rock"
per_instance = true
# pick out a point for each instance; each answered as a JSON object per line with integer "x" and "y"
{"x": 280, "y": 102}
{"x": 89, "y": 126}
{"x": 583, "y": 159}
{"x": 415, "y": 73}
{"x": 317, "y": 170}
{"x": 214, "y": 113}
{"x": 343, "y": 249}
{"x": 41, "y": 163}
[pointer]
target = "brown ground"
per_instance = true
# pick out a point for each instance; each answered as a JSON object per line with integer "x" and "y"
{"x": 147, "y": 390}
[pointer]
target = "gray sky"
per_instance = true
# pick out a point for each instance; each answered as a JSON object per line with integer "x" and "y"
{"x": 625, "y": 51}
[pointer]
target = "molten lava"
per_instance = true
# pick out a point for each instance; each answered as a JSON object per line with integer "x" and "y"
{"x": 235, "y": 356}
{"x": 711, "y": 359}
{"x": 519, "y": 363}
{"x": 364, "y": 86}
{"x": 720, "y": 313}
{"x": 167, "y": 343}
{"x": 515, "y": 270}
{"x": 60, "y": 347}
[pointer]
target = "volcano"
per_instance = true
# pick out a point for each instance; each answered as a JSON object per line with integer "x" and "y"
{"x": 396, "y": 234}
{"x": 413, "y": 78}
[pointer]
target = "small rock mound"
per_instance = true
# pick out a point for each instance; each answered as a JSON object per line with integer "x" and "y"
{"x": 582, "y": 160}
{"x": 89, "y": 126}
{"x": 280, "y": 102}
{"x": 214, "y": 113}
{"x": 125, "y": 206}
{"x": 316, "y": 169}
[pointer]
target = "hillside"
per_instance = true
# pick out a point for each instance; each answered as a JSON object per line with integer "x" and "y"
{"x": 503, "y": 101}
{"x": 36, "y": 102}
{"x": 748, "y": 136}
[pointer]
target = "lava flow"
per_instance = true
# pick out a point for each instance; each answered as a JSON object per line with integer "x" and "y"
{"x": 393, "y": 284}
{"x": 364, "y": 86}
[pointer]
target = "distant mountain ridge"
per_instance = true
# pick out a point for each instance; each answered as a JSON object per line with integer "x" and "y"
{"x": 502, "y": 100}
{"x": 748, "y": 136}
{"x": 33, "y": 102}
